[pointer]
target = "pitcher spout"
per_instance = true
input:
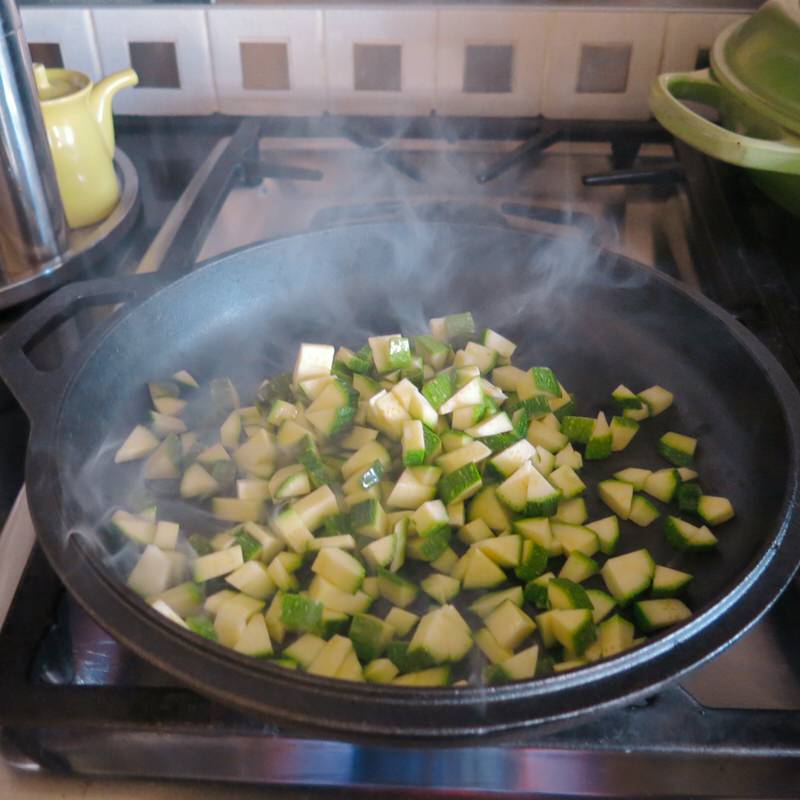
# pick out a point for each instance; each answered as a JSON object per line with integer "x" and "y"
{"x": 100, "y": 102}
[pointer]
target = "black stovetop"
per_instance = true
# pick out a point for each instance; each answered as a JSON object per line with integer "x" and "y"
{"x": 72, "y": 699}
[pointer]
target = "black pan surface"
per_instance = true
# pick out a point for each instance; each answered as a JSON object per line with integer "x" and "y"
{"x": 596, "y": 318}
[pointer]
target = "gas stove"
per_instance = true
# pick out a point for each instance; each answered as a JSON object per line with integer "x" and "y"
{"x": 73, "y": 700}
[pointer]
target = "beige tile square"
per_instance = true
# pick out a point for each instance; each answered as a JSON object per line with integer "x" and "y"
{"x": 237, "y": 34}
{"x": 71, "y": 29}
{"x": 572, "y": 32}
{"x": 185, "y": 29}
{"x": 523, "y": 30}
{"x": 413, "y": 30}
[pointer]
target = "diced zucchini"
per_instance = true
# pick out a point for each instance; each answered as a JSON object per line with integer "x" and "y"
{"x": 460, "y": 485}
{"x": 575, "y": 538}
{"x": 625, "y": 398}
{"x": 135, "y": 528}
{"x": 653, "y": 615}
{"x": 573, "y": 629}
{"x": 627, "y": 576}
{"x": 544, "y": 623}
{"x": 430, "y": 517}
{"x": 544, "y": 436}
{"x": 602, "y": 604}
{"x": 185, "y": 599}
{"x": 491, "y": 648}
{"x": 519, "y": 667}
{"x": 657, "y": 399}
{"x": 677, "y": 448}
{"x": 577, "y": 429}
{"x": 689, "y": 495}
{"x": 472, "y": 453}
{"x": 486, "y": 506}
{"x": 339, "y": 568}
{"x": 563, "y": 593}
{"x": 401, "y": 620}
{"x": 578, "y": 567}
{"x": 396, "y": 589}
{"x": 431, "y": 547}
{"x": 542, "y": 496}
{"x": 505, "y": 551}
{"x": 684, "y": 536}
{"x": 622, "y": 432}
{"x": 369, "y": 636}
{"x": 151, "y": 574}
{"x": 305, "y": 649}
{"x": 294, "y": 532}
{"x": 442, "y": 635}
{"x": 313, "y": 361}
{"x": 513, "y": 491}
{"x": 381, "y": 670}
{"x": 715, "y": 510}
{"x": 254, "y": 640}
{"x": 487, "y": 603}
{"x": 668, "y": 582}
{"x": 538, "y": 530}
{"x": 566, "y": 480}
{"x": 336, "y": 599}
{"x": 600, "y": 441}
{"x": 253, "y": 579}
{"x": 455, "y": 513}
{"x": 634, "y": 476}
{"x": 380, "y": 552}
{"x": 502, "y": 346}
{"x": 256, "y": 457}
{"x": 573, "y": 512}
{"x": 643, "y": 511}
{"x": 434, "y": 676}
{"x": 409, "y": 492}
{"x": 164, "y": 462}
{"x": 331, "y": 657}
{"x": 569, "y": 457}
{"x": 618, "y": 496}
{"x": 214, "y": 565}
{"x": 442, "y": 588}
{"x": 533, "y": 561}
{"x": 165, "y": 610}
{"x": 509, "y": 625}
{"x": 232, "y": 617}
{"x": 607, "y": 530}
{"x": 481, "y": 571}
{"x": 139, "y": 443}
{"x": 616, "y": 635}
{"x": 315, "y": 507}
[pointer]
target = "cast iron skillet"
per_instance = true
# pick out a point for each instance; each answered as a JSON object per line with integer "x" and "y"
{"x": 597, "y": 318}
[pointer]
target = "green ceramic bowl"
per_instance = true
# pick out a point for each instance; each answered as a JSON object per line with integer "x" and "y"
{"x": 754, "y": 84}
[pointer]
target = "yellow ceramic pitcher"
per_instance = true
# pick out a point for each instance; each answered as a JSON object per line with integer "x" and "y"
{"x": 80, "y": 131}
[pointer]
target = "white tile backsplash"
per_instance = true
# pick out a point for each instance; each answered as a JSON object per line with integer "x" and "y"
{"x": 689, "y": 33}
{"x": 71, "y": 29}
{"x": 546, "y": 52}
{"x": 186, "y": 28}
{"x": 300, "y": 29}
{"x": 571, "y": 31}
{"x": 526, "y": 30}
{"x": 414, "y": 29}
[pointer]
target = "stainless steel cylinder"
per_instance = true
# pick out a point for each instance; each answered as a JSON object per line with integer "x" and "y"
{"x": 33, "y": 228}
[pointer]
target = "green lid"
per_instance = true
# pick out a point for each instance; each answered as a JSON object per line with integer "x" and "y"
{"x": 759, "y": 61}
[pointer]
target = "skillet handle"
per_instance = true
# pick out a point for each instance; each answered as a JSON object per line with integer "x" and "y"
{"x": 776, "y": 151}
{"x": 37, "y": 390}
